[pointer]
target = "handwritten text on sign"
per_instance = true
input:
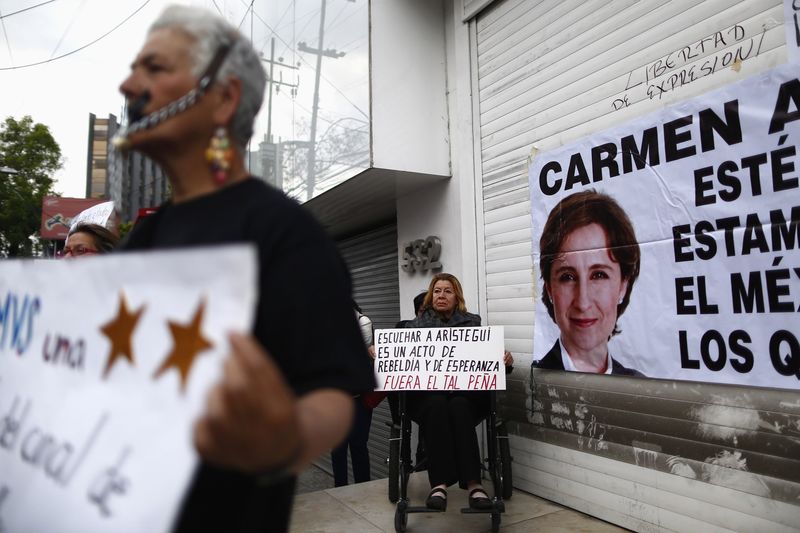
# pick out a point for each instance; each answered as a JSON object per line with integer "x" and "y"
{"x": 440, "y": 359}
{"x": 105, "y": 364}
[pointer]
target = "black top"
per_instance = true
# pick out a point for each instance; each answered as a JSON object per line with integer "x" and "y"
{"x": 304, "y": 319}
{"x": 431, "y": 319}
{"x": 553, "y": 361}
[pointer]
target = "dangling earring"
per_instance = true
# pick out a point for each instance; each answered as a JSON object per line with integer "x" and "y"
{"x": 219, "y": 156}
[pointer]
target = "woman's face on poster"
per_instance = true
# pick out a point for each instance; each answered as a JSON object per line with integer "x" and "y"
{"x": 585, "y": 287}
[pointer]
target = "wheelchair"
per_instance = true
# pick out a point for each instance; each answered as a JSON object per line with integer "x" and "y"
{"x": 498, "y": 465}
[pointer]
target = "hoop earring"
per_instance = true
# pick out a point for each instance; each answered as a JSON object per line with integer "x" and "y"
{"x": 219, "y": 156}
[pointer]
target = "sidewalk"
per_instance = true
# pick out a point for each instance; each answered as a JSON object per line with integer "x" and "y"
{"x": 366, "y": 508}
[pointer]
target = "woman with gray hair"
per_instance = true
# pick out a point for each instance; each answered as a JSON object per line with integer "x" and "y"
{"x": 285, "y": 396}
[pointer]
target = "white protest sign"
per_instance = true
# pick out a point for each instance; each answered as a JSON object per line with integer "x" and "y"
{"x": 97, "y": 214}
{"x": 105, "y": 363}
{"x": 469, "y": 358}
{"x": 712, "y": 188}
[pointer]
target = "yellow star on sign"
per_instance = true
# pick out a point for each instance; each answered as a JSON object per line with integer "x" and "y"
{"x": 119, "y": 331}
{"x": 189, "y": 342}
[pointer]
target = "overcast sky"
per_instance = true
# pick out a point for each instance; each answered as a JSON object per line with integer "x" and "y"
{"x": 61, "y": 92}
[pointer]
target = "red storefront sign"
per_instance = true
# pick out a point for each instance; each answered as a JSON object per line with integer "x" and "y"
{"x": 145, "y": 212}
{"x": 57, "y": 214}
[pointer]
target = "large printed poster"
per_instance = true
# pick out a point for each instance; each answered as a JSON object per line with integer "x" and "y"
{"x": 105, "y": 363}
{"x": 676, "y": 237}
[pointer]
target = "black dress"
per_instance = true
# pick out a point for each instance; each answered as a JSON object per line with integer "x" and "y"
{"x": 304, "y": 319}
{"x": 447, "y": 419}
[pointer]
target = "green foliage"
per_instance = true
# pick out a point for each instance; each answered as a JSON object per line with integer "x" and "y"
{"x": 31, "y": 150}
{"x": 124, "y": 228}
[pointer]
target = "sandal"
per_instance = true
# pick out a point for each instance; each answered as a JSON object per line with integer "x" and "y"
{"x": 437, "y": 499}
{"x": 479, "y": 503}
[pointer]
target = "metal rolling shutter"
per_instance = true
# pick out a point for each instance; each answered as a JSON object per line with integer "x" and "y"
{"x": 547, "y": 73}
{"x": 372, "y": 260}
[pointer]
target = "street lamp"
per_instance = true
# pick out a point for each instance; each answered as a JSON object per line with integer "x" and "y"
{"x": 8, "y": 171}
{"x": 11, "y": 172}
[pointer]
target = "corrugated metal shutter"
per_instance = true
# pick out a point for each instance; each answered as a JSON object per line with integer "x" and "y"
{"x": 676, "y": 455}
{"x": 372, "y": 260}
{"x": 470, "y": 8}
{"x": 622, "y": 449}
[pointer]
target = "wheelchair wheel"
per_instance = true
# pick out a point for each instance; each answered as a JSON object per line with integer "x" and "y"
{"x": 504, "y": 461}
{"x": 495, "y": 522}
{"x": 394, "y": 464}
{"x": 400, "y": 517}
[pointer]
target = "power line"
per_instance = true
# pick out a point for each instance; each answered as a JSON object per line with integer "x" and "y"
{"x": 69, "y": 27}
{"x": 294, "y": 60}
{"x": 294, "y": 103}
{"x": 26, "y": 9}
{"x": 256, "y": 14}
{"x": 337, "y": 123}
{"x": 218, "y": 9}
{"x": 311, "y": 17}
{"x": 248, "y": 10}
{"x": 329, "y": 82}
{"x": 8, "y": 44}
{"x": 339, "y": 14}
{"x": 311, "y": 14}
{"x": 267, "y": 38}
{"x": 348, "y": 17}
{"x": 82, "y": 47}
{"x": 356, "y": 40}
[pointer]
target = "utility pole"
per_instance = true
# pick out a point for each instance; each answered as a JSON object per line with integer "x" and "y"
{"x": 250, "y": 141}
{"x": 271, "y": 147}
{"x": 312, "y": 147}
{"x": 269, "y": 100}
{"x": 272, "y": 82}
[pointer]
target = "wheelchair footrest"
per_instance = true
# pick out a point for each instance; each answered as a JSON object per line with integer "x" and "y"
{"x": 422, "y": 510}
{"x": 498, "y": 507}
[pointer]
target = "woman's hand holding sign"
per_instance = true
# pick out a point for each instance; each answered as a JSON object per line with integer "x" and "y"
{"x": 508, "y": 359}
{"x": 255, "y": 423}
{"x": 251, "y": 421}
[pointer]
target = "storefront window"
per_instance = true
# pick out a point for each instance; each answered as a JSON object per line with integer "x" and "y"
{"x": 313, "y": 130}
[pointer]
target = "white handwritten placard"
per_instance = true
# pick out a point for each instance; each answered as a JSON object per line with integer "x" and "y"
{"x": 105, "y": 363}
{"x": 469, "y": 358}
{"x": 97, "y": 214}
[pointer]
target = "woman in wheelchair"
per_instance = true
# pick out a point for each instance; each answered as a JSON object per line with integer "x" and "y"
{"x": 447, "y": 419}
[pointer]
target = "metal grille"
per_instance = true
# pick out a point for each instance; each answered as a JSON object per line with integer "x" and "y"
{"x": 372, "y": 260}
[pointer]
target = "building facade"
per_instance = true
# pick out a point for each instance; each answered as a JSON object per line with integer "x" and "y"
{"x": 131, "y": 180}
{"x": 458, "y": 117}
{"x": 101, "y": 130}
